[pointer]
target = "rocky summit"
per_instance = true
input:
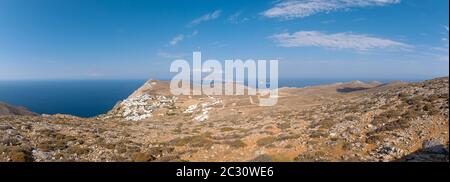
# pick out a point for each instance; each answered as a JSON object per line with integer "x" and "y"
{"x": 352, "y": 121}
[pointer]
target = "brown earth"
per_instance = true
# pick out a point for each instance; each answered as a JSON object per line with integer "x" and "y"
{"x": 352, "y": 121}
{"x": 6, "y": 109}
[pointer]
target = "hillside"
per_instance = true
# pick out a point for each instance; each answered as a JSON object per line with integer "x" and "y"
{"x": 352, "y": 121}
{"x": 6, "y": 109}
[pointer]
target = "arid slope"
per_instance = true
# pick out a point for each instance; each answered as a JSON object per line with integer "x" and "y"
{"x": 352, "y": 121}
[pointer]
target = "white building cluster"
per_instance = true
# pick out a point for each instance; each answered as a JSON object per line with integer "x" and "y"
{"x": 142, "y": 107}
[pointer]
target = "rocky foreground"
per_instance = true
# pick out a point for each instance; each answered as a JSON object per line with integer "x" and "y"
{"x": 352, "y": 121}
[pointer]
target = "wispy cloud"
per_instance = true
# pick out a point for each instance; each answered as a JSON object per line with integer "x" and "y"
{"x": 443, "y": 51}
{"x": 177, "y": 39}
{"x": 194, "y": 33}
{"x": 237, "y": 18}
{"x": 234, "y": 17}
{"x": 207, "y": 17}
{"x": 167, "y": 55}
{"x": 359, "y": 42}
{"x": 289, "y": 9}
{"x": 438, "y": 52}
{"x": 219, "y": 44}
{"x": 445, "y": 39}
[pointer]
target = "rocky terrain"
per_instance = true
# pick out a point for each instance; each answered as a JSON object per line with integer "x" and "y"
{"x": 352, "y": 121}
{"x": 6, "y": 109}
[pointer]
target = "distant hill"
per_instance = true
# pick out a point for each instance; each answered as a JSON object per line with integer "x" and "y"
{"x": 6, "y": 109}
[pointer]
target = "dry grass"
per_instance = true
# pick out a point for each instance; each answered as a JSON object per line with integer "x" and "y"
{"x": 236, "y": 144}
{"x": 193, "y": 141}
{"x": 265, "y": 141}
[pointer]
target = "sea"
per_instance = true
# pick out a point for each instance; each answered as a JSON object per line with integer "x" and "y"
{"x": 83, "y": 98}
{"x": 88, "y": 98}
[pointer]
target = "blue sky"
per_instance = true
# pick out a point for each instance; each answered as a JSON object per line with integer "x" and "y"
{"x": 112, "y": 39}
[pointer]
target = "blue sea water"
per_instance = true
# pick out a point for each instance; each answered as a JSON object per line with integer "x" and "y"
{"x": 79, "y": 98}
{"x": 88, "y": 98}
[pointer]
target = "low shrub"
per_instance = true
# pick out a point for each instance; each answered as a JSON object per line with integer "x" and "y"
{"x": 265, "y": 141}
{"x": 236, "y": 144}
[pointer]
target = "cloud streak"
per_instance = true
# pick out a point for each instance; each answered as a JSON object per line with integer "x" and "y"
{"x": 359, "y": 42}
{"x": 290, "y": 9}
{"x": 167, "y": 55}
{"x": 443, "y": 51}
{"x": 207, "y": 17}
{"x": 237, "y": 18}
{"x": 176, "y": 39}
